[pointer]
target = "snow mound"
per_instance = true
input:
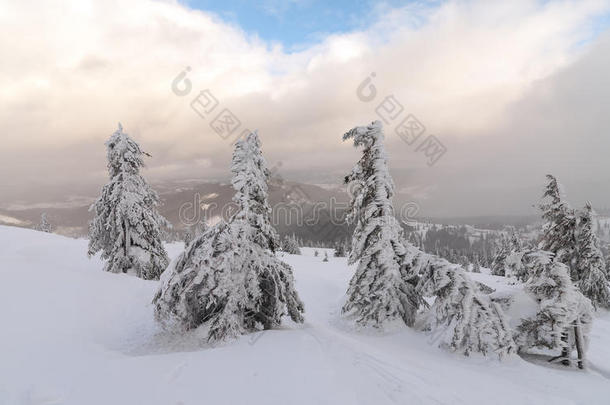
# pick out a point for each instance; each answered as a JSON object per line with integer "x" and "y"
{"x": 73, "y": 335}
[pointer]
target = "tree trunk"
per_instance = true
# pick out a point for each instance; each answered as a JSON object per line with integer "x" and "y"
{"x": 565, "y": 352}
{"x": 127, "y": 242}
{"x": 579, "y": 345}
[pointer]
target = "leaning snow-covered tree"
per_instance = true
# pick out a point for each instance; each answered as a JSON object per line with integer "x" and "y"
{"x": 127, "y": 228}
{"x": 381, "y": 290}
{"x": 590, "y": 263}
{"x": 564, "y": 315}
{"x": 559, "y": 226}
{"x": 228, "y": 280}
{"x": 462, "y": 319}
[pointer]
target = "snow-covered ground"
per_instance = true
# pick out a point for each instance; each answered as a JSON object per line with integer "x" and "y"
{"x": 72, "y": 334}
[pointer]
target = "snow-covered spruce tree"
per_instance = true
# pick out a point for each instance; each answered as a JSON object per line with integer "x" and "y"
{"x": 561, "y": 307}
{"x": 516, "y": 266}
{"x": 340, "y": 249}
{"x": 44, "y": 225}
{"x": 193, "y": 231}
{"x": 476, "y": 266}
{"x": 590, "y": 264}
{"x": 558, "y": 231}
{"x": 290, "y": 245}
{"x": 188, "y": 236}
{"x": 229, "y": 280}
{"x": 515, "y": 241}
{"x": 127, "y": 227}
{"x": 462, "y": 319}
{"x": 380, "y": 290}
{"x": 498, "y": 265}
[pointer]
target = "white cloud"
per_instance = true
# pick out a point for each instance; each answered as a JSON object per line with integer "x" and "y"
{"x": 70, "y": 71}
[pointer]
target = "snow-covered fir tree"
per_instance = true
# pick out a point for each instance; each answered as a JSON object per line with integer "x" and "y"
{"x": 561, "y": 307}
{"x": 193, "y": 231}
{"x": 516, "y": 265}
{"x": 380, "y": 290}
{"x": 508, "y": 258}
{"x": 127, "y": 228}
{"x": 325, "y": 257}
{"x": 44, "y": 225}
{"x": 590, "y": 264}
{"x": 462, "y": 319}
{"x": 188, "y": 236}
{"x": 229, "y": 280}
{"x": 498, "y": 265}
{"x": 515, "y": 241}
{"x": 291, "y": 245}
{"x": 340, "y": 249}
{"x": 558, "y": 231}
{"x": 476, "y": 266}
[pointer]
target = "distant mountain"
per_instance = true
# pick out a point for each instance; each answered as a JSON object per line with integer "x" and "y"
{"x": 302, "y": 209}
{"x": 311, "y": 212}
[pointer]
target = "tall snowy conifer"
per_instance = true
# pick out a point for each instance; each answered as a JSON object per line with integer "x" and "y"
{"x": 127, "y": 226}
{"x": 380, "y": 290}
{"x": 229, "y": 279}
{"x": 503, "y": 250}
{"x": 590, "y": 264}
{"x": 558, "y": 231}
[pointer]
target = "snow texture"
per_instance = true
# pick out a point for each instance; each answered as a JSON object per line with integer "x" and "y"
{"x": 73, "y": 335}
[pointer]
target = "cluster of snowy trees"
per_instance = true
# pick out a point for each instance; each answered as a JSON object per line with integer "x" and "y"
{"x": 395, "y": 281}
{"x": 393, "y": 277}
{"x": 458, "y": 244}
{"x": 229, "y": 281}
{"x": 570, "y": 236}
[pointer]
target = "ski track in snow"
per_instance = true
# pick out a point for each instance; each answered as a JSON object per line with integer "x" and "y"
{"x": 74, "y": 335}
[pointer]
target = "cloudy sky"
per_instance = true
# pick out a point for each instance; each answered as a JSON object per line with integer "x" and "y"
{"x": 512, "y": 90}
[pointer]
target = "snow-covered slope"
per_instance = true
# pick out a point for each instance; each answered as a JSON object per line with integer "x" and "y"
{"x": 72, "y": 334}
